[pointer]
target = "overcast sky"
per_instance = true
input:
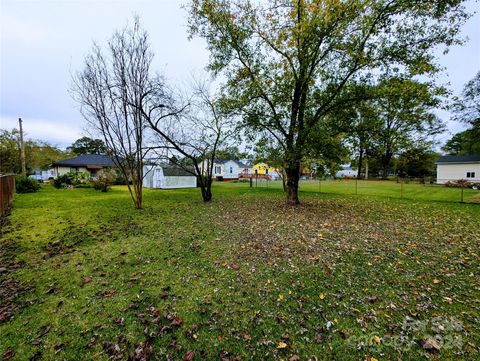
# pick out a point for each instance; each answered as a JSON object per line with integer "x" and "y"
{"x": 43, "y": 42}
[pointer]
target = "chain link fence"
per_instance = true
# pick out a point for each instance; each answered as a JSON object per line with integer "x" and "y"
{"x": 461, "y": 192}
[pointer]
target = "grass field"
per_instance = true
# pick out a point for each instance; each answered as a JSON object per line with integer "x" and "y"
{"x": 345, "y": 277}
{"x": 381, "y": 188}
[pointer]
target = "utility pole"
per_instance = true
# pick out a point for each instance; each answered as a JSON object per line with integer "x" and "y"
{"x": 22, "y": 149}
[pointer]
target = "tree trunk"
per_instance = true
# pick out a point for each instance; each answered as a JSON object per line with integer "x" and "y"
{"x": 206, "y": 189}
{"x": 206, "y": 194}
{"x": 386, "y": 158}
{"x": 293, "y": 176}
{"x": 138, "y": 195}
{"x": 360, "y": 163}
{"x": 284, "y": 181}
{"x": 366, "y": 167}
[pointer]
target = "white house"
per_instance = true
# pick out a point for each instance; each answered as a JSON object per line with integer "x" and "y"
{"x": 226, "y": 169}
{"x": 346, "y": 171}
{"x": 458, "y": 167}
{"x": 42, "y": 175}
{"x": 167, "y": 177}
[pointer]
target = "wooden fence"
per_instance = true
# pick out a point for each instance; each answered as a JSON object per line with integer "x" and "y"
{"x": 7, "y": 190}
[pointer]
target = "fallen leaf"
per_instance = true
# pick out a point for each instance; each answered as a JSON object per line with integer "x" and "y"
{"x": 177, "y": 321}
{"x": 86, "y": 280}
{"x": 43, "y": 331}
{"x": 281, "y": 345}
{"x": 322, "y": 296}
{"x": 108, "y": 293}
{"x": 189, "y": 355}
{"x": 8, "y": 354}
{"x": 430, "y": 345}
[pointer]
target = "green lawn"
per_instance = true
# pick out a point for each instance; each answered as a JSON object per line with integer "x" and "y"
{"x": 245, "y": 277}
{"x": 380, "y": 188}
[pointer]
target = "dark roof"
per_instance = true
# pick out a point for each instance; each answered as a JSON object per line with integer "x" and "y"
{"x": 459, "y": 159}
{"x": 241, "y": 164}
{"x": 87, "y": 160}
{"x": 172, "y": 170}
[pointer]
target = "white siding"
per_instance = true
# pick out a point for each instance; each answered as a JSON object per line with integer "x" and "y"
{"x": 154, "y": 178}
{"x": 180, "y": 182}
{"x": 453, "y": 172}
{"x": 230, "y": 169}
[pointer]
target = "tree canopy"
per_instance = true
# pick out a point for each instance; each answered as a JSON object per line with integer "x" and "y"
{"x": 467, "y": 110}
{"x": 289, "y": 64}
{"x": 38, "y": 154}
{"x": 86, "y": 145}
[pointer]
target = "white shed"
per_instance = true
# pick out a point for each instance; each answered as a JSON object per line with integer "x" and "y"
{"x": 167, "y": 177}
{"x": 458, "y": 167}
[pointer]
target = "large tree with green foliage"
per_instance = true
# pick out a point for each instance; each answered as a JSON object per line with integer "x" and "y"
{"x": 289, "y": 63}
{"x": 86, "y": 145}
{"x": 403, "y": 111}
{"x": 38, "y": 154}
{"x": 464, "y": 143}
{"x": 417, "y": 162}
{"x": 467, "y": 110}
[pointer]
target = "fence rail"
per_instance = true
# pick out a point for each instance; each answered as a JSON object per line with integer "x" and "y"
{"x": 7, "y": 190}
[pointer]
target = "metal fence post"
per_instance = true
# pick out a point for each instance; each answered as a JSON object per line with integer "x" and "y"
{"x": 356, "y": 185}
{"x": 461, "y": 197}
{"x": 401, "y": 189}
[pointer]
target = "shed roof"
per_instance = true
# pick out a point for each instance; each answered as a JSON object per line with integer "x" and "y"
{"x": 475, "y": 158}
{"x": 176, "y": 171}
{"x": 85, "y": 160}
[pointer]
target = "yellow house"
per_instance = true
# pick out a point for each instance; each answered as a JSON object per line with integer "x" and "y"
{"x": 262, "y": 168}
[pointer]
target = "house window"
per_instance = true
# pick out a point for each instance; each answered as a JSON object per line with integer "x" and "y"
{"x": 218, "y": 170}
{"x": 470, "y": 174}
{"x": 256, "y": 171}
{"x": 231, "y": 170}
{"x": 266, "y": 171}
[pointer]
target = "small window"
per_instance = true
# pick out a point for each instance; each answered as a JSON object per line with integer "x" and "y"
{"x": 266, "y": 171}
{"x": 218, "y": 170}
{"x": 231, "y": 170}
{"x": 470, "y": 174}
{"x": 256, "y": 171}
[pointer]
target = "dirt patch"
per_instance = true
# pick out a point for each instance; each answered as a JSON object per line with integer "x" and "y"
{"x": 475, "y": 198}
{"x": 68, "y": 240}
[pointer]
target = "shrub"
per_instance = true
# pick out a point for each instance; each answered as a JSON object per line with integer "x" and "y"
{"x": 26, "y": 185}
{"x": 104, "y": 179}
{"x": 74, "y": 179}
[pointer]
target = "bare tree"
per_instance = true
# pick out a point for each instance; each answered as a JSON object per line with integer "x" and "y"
{"x": 111, "y": 90}
{"x": 190, "y": 134}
